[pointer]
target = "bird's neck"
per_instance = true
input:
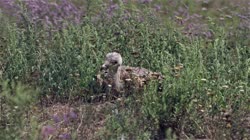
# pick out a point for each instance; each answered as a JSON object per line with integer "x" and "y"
{"x": 117, "y": 80}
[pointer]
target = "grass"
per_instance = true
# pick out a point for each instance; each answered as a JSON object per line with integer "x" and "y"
{"x": 206, "y": 87}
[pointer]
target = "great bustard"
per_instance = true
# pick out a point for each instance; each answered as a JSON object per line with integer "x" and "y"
{"x": 118, "y": 77}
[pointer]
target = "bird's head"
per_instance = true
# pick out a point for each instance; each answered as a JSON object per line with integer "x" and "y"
{"x": 112, "y": 61}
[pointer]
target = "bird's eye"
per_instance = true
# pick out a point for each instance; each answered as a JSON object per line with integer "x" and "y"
{"x": 114, "y": 62}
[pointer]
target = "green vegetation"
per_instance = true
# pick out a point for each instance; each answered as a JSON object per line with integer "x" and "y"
{"x": 206, "y": 91}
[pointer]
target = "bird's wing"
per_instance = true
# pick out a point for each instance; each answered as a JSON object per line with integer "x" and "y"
{"x": 138, "y": 76}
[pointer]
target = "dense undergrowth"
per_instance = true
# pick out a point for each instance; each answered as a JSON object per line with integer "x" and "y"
{"x": 206, "y": 92}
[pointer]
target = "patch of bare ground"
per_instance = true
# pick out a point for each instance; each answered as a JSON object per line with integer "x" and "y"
{"x": 227, "y": 124}
{"x": 73, "y": 121}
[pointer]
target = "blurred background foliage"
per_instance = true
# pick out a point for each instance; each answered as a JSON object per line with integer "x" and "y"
{"x": 200, "y": 46}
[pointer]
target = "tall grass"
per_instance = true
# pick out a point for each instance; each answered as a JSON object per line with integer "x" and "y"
{"x": 211, "y": 90}
{"x": 205, "y": 90}
{"x": 16, "y": 121}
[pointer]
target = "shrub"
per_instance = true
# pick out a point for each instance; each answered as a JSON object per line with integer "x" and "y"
{"x": 16, "y": 120}
{"x": 206, "y": 84}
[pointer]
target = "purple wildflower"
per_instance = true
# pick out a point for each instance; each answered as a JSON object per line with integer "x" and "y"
{"x": 157, "y": 7}
{"x": 65, "y": 136}
{"x": 66, "y": 118}
{"x": 46, "y": 13}
{"x": 56, "y": 118}
{"x": 146, "y": 1}
{"x": 112, "y": 7}
{"x": 125, "y": 1}
{"x": 72, "y": 115}
{"x": 9, "y": 7}
{"x": 47, "y": 130}
{"x": 50, "y": 13}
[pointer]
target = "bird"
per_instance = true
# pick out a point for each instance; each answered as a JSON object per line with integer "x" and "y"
{"x": 116, "y": 77}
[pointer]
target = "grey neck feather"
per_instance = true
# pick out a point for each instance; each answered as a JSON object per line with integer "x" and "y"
{"x": 117, "y": 80}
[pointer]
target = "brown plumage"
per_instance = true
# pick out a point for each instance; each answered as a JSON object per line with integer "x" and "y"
{"x": 117, "y": 77}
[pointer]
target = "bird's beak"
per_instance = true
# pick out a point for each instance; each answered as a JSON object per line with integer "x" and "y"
{"x": 104, "y": 67}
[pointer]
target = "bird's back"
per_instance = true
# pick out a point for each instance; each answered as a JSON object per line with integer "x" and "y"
{"x": 137, "y": 77}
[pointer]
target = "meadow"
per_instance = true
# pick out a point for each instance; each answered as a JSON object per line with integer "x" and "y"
{"x": 51, "y": 50}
